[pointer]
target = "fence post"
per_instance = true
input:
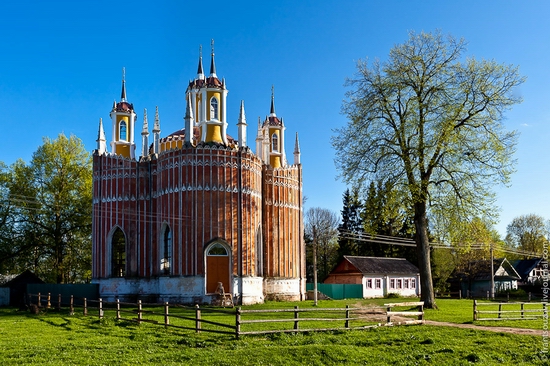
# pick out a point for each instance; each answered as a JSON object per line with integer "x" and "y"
{"x": 388, "y": 310}
{"x": 296, "y": 316}
{"x": 421, "y": 309}
{"x": 522, "y": 309}
{"x": 100, "y": 308}
{"x": 39, "y": 301}
{"x": 140, "y": 315}
{"x": 59, "y": 302}
{"x": 85, "y": 311}
{"x": 347, "y": 316}
{"x": 166, "y": 319}
{"x": 237, "y": 322}
{"x": 49, "y": 303}
{"x": 117, "y": 308}
{"x": 468, "y": 294}
{"x": 475, "y": 309}
{"x": 460, "y": 294}
{"x": 508, "y": 297}
{"x": 487, "y": 295}
{"x": 499, "y": 309}
{"x": 71, "y": 306}
{"x": 197, "y": 318}
{"x": 529, "y": 296}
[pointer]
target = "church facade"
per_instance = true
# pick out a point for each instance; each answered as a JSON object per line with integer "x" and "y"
{"x": 197, "y": 207}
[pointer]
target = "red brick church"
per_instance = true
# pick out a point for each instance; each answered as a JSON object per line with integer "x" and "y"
{"x": 196, "y": 209}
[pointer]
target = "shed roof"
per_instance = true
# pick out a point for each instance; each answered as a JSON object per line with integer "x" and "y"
{"x": 381, "y": 265}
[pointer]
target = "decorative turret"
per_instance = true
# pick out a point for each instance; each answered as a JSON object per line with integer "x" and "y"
{"x": 145, "y": 135}
{"x": 242, "y": 126}
{"x": 189, "y": 124}
{"x": 101, "y": 141}
{"x": 156, "y": 132}
{"x": 259, "y": 140}
{"x": 274, "y": 130}
{"x": 123, "y": 120}
{"x": 296, "y": 151}
{"x": 208, "y": 104}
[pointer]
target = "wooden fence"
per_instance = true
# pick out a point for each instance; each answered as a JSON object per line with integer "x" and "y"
{"x": 234, "y": 321}
{"x": 510, "y": 310}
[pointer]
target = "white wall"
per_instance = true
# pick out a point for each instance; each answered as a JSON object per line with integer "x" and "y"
{"x": 397, "y": 284}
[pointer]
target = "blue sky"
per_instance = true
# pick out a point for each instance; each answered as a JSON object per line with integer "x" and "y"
{"x": 61, "y": 61}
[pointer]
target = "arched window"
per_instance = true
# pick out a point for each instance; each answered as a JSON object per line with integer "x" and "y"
{"x": 122, "y": 131}
{"x": 118, "y": 250}
{"x": 275, "y": 143}
{"x": 217, "y": 249}
{"x": 166, "y": 255}
{"x": 214, "y": 108}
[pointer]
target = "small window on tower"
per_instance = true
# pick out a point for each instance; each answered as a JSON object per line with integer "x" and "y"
{"x": 214, "y": 108}
{"x": 275, "y": 143}
{"x": 122, "y": 132}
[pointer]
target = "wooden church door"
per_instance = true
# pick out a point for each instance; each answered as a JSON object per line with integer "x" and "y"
{"x": 217, "y": 268}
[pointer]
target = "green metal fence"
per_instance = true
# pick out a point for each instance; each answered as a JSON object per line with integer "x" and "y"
{"x": 79, "y": 291}
{"x": 338, "y": 291}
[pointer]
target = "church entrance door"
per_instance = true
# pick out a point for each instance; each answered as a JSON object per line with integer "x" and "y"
{"x": 217, "y": 268}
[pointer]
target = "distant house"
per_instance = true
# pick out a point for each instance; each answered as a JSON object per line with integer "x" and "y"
{"x": 378, "y": 276}
{"x": 475, "y": 278}
{"x": 18, "y": 287}
{"x": 530, "y": 270}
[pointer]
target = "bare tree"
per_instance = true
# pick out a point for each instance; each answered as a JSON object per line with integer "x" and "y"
{"x": 430, "y": 123}
{"x": 321, "y": 226}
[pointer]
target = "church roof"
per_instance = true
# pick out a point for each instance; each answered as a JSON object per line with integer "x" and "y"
{"x": 124, "y": 107}
{"x": 180, "y": 135}
{"x": 211, "y": 81}
{"x": 273, "y": 121}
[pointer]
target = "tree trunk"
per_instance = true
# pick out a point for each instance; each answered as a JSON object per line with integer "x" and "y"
{"x": 423, "y": 250}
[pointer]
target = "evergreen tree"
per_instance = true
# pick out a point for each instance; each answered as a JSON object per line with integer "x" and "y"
{"x": 351, "y": 224}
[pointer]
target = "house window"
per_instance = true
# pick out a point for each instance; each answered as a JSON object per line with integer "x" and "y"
{"x": 214, "y": 108}
{"x": 392, "y": 283}
{"x": 378, "y": 283}
{"x": 413, "y": 283}
{"x": 122, "y": 131}
{"x": 275, "y": 143}
{"x": 118, "y": 250}
{"x": 166, "y": 251}
{"x": 406, "y": 283}
{"x": 369, "y": 283}
{"x": 399, "y": 283}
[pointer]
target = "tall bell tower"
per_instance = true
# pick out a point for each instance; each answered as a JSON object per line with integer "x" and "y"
{"x": 123, "y": 120}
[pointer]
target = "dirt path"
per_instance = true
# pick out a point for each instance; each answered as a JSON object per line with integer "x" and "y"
{"x": 522, "y": 331}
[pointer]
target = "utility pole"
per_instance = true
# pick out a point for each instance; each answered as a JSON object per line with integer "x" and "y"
{"x": 492, "y": 274}
{"x": 314, "y": 266}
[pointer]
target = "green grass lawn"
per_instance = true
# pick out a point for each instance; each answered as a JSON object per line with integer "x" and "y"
{"x": 60, "y": 339}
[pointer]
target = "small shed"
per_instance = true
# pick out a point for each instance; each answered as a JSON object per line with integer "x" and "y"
{"x": 475, "y": 277}
{"x": 379, "y": 276}
{"x": 18, "y": 287}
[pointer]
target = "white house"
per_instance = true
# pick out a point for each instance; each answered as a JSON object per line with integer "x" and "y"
{"x": 378, "y": 276}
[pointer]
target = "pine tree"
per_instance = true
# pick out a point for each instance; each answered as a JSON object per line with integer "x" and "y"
{"x": 351, "y": 224}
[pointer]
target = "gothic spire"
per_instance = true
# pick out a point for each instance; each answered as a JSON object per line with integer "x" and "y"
{"x": 123, "y": 93}
{"x": 272, "y": 112}
{"x": 212, "y": 63}
{"x": 200, "y": 72}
